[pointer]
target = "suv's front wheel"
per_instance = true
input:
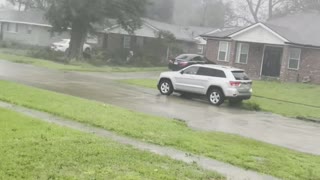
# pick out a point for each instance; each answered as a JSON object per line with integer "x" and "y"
{"x": 216, "y": 97}
{"x": 165, "y": 87}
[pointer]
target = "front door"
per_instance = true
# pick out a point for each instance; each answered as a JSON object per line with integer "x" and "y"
{"x": 272, "y": 61}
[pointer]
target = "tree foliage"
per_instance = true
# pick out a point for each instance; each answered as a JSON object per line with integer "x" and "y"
{"x": 212, "y": 13}
{"x": 261, "y": 10}
{"x": 293, "y": 6}
{"x": 24, "y": 5}
{"x": 161, "y": 10}
{"x": 82, "y": 15}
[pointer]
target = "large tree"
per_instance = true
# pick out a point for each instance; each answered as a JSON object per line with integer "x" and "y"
{"x": 261, "y": 10}
{"x": 212, "y": 13}
{"x": 292, "y": 6}
{"x": 80, "y": 16}
{"x": 161, "y": 10}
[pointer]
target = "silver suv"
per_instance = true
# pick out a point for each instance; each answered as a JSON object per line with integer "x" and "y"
{"x": 216, "y": 82}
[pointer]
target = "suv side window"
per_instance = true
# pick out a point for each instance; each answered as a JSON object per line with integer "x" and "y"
{"x": 191, "y": 70}
{"x": 211, "y": 72}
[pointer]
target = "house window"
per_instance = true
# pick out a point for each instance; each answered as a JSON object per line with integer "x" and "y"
{"x": 140, "y": 41}
{"x": 200, "y": 49}
{"x": 294, "y": 58}
{"x": 29, "y": 29}
{"x": 12, "y": 27}
{"x": 223, "y": 51}
{"x": 127, "y": 42}
{"x": 242, "y": 53}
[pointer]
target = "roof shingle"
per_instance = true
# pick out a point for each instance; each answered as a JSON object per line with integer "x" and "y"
{"x": 301, "y": 28}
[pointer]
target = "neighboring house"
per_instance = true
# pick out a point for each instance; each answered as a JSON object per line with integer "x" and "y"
{"x": 286, "y": 48}
{"x": 28, "y": 28}
{"x": 188, "y": 39}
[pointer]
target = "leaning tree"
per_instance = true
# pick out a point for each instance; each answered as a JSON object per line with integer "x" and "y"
{"x": 80, "y": 16}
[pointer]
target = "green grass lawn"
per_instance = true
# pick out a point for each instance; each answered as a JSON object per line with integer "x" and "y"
{"x": 236, "y": 150}
{"x": 74, "y": 66}
{"x": 288, "y": 99}
{"x": 31, "y": 149}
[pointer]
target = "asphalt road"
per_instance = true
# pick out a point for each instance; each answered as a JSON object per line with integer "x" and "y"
{"x": 290, "y": 133}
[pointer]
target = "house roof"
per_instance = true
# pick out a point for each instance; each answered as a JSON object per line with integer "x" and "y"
{"x": 296, "y": 29}
{"x": 35, "y": 17}
{"x": 224, "y": 32}
{"x": 301, "y": 28}
{"x": 151, "y": 28}
{"x": 186, "y": 33}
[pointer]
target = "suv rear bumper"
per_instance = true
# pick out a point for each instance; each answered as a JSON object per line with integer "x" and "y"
{"x": 235, "y": 94}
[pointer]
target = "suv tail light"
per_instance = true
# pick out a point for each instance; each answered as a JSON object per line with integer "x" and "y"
{"x": 235, "y": 83}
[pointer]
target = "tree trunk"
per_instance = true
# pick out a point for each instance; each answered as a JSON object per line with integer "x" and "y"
{"x": 78, "y": 36}
{"x": 20, "y": 4}
{"x": 254, "y": 10}
{"x": 270, "y": 9}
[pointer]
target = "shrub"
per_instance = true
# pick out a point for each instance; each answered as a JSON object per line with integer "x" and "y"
{"x": 252, "y": 106}
{"x": 46, "y": 53}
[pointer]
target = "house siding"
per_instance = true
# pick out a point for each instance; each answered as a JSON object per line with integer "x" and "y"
{"x": 212, "y": 49}
{"x": 114, "y": 42}
{"x": 39, "y": 36}
{"x": 253, "y": 67}
{"x": 309, "y": 66}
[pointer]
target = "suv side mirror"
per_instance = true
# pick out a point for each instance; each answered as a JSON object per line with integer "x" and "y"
{"x": 181, "y": 72}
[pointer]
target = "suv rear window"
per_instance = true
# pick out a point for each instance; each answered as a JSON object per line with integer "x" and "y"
{"x": 240, "y": 75}
{"x": 211, "y": 72}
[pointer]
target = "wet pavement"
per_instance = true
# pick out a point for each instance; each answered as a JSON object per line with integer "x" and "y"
{"x": 286, "y": 132}
{"x": 229, "y": 171}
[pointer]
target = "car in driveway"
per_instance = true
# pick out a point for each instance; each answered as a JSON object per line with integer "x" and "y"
{"x": 185, "y": 60}
{"x": 63, "y": 46}
{"x": 217, "y": 83}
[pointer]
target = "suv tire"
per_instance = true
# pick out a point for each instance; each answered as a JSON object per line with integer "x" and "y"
{"x": 215, "y": 97}
{"x": 165, "y": 87}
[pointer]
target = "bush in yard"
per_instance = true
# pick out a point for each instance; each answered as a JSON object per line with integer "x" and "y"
{"x": 46, "y": 53}
{"x": 15, "y": 45}
{"x": 252, "y": 106}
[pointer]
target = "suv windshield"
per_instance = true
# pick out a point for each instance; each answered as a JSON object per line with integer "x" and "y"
{"x": 240, "y": 75}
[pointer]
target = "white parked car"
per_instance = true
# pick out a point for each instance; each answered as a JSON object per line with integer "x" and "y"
{"x": 63, "y": 46}
{"x": 217, "y": 83}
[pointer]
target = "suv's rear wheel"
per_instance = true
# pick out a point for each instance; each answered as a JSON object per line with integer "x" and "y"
{"x": 166, "y": 87}
{"x": 216, "y": 97}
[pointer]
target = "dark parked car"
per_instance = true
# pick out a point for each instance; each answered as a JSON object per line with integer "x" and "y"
{"x": 185, "y": 60}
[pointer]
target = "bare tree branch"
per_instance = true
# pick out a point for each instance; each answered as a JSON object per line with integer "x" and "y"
{"x": 254, "y": 10}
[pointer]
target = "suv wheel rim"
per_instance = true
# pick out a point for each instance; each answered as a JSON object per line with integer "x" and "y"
{"x": 165, "y": 88}
{"x": 215, "y": 97}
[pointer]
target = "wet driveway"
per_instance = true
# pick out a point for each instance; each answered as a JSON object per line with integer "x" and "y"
{"x": 274, "y": 129}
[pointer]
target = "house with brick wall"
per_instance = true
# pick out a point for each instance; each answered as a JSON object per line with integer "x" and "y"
{"x": 285, "y": 48}
{"x": 187, "y": 38}
{"x": 27, "y": 27}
